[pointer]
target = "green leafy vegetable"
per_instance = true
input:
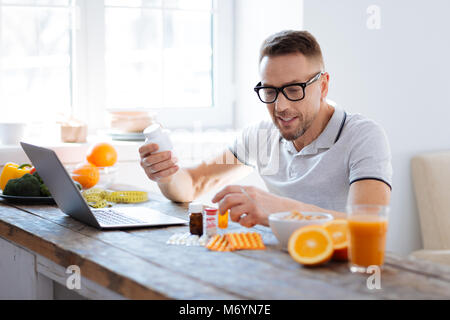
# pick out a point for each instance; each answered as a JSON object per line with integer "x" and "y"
{"x": 26, "y": 186}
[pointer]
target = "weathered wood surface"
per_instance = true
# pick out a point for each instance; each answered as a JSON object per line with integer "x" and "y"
{"x": 139, "y": 264}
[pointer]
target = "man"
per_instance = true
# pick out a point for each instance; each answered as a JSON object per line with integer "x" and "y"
{"x": 312, "y": 156}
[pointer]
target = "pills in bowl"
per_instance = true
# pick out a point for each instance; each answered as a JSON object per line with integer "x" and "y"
{"x": 295, "y": 215}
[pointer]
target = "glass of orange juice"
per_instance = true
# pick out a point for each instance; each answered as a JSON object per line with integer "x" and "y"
{"x": 367, "y": 231}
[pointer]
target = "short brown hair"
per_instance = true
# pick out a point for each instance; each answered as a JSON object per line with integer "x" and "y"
{"x": 291, "y": 41}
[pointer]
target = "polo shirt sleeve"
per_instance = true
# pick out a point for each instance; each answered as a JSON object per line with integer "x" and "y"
{"x": 370, "y": 154}
{"x": 245, "y": 145}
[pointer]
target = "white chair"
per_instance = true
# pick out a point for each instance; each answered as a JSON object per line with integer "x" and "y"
{"x": 431, "y": 179}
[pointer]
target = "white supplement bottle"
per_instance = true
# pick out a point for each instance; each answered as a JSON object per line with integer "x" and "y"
{"x": 211, "y": 221}
{"x": 155, "y": 134}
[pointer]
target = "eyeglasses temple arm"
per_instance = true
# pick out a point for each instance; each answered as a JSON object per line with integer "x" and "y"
{"x": 316, "y": 77}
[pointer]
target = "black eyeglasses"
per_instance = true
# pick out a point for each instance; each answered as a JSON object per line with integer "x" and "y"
{"x": 292, "y": 91}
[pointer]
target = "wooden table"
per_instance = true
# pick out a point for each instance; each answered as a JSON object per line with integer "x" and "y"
{"x": 38, "y": 243}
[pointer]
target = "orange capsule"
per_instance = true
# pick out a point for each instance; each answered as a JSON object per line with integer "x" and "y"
{"x": 223, "y": 220}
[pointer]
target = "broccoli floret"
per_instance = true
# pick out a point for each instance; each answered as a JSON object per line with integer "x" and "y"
{"x": 38, "y": 177}
{"x": 26, "y": 186}
{"x": 44, "y": 191}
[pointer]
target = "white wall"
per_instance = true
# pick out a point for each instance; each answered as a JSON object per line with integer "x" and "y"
{"x": 396, "y": 75}
{"x": 255, "y": 20}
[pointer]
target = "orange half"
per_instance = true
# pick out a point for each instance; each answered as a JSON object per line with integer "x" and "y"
{"x": 310, "y": 245}
{"x": 338, "y": 230}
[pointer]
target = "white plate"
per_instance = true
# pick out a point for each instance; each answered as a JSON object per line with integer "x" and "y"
{"x": 127, "y": 136}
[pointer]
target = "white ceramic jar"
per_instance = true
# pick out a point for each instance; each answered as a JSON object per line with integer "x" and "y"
{"x": 11, "y": 133}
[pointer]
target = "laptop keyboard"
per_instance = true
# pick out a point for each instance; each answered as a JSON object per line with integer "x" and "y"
{"x": 111, "y": 217}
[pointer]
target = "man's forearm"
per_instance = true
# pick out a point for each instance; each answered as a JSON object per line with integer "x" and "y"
{"x": 312, "y": 208}
{"x": 301, "y": 206}
{"x": 179, "y": 187}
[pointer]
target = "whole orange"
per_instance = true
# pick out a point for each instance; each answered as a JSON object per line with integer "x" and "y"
{"x": 86, "y": 174}
{"x": 102, "y": 155}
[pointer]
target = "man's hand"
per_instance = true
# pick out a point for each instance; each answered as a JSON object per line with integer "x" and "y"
{"x": 250, "y": 207}
{"x": 159, "y": 166}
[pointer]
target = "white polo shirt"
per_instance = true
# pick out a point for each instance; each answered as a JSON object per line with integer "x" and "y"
{"x": 350, "y": 148}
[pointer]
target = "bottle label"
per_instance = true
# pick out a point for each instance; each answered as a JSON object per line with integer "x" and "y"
{"x": 211, "y": 224}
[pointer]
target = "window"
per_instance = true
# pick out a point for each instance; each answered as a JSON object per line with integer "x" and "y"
{"x": 173, "y": 57}
{"x": 158, "y": 54}
{"x": 35, "y": 58}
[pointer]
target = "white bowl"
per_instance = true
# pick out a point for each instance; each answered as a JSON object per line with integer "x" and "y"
{"x": 283, "y": 228}
{"x": 108, "y": 176}
{"x": 130, "y": 121}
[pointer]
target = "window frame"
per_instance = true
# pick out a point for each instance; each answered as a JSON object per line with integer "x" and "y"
{"x": 89, "y": 92}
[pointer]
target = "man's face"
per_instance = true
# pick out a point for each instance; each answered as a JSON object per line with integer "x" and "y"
{"x": 292, "y": 118}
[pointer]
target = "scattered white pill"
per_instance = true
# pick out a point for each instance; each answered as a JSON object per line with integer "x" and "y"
{"x": 187, "y": 239}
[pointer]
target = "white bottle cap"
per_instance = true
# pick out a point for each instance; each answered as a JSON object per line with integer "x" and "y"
{"x": 195, "y": 207}
{"x": 155, "y": 134}
{"x": 152, "y": 131}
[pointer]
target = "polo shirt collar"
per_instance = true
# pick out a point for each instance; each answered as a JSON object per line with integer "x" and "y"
{"x": 326, "y": 139}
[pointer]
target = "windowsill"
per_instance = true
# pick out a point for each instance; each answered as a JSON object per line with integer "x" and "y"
{"x": 68, "y": 152}
{"x": 191, "y": 145}
{"x": 130, "y": 173}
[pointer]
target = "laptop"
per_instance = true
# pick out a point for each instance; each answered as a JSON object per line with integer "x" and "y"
{"x": 70, "y": 200}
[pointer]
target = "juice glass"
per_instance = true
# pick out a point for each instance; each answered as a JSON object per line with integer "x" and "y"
{"x": 367, "y": 231}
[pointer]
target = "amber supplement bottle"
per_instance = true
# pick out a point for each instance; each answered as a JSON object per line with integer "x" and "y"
{"x": 223, "y": 219}
{"x": 196, "y": 218}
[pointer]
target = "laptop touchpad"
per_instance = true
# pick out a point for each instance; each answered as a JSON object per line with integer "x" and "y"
{"x": 149, "y": 215}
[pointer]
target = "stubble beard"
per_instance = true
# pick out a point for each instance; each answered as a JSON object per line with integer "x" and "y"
{"x": 299, "y": 131}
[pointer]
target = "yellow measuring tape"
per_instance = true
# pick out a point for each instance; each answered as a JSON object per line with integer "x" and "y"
{"x": 100, "y": 198}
